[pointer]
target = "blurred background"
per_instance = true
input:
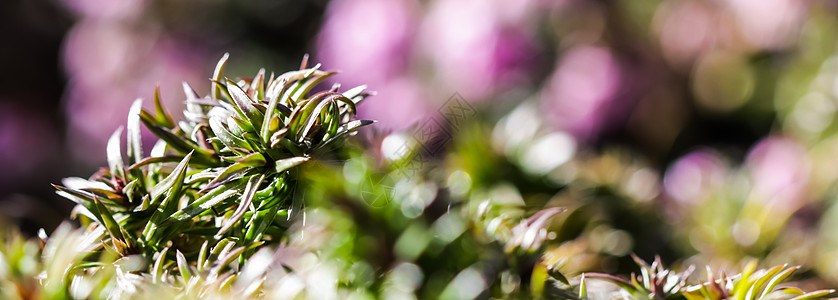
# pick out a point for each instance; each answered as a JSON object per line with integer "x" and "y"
{"x": 699, "y": 130}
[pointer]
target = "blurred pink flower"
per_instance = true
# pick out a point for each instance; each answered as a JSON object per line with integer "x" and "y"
{"x": 693, "y": 177}
{"x": 370, "y": 42}
{"x": 106, "y": 9}
{"x": 109, "y": 66}
{"x": 479, "y": 47}
{"x": 769, "y": 24}
{"x": 580, "y": 95}
{"x": 417, "y": 61}
{"x": 687, "y": 29}
{"x": 779, "y": 172}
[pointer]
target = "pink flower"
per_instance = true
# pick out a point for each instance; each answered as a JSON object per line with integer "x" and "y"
{"x": 109, "y": 67}
{"x": 779, "y": 172}
{"x": 581, "y": 92}
{"x": 693, "y": 177}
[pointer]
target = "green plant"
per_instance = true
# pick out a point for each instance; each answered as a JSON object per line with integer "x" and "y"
{"x": 657, "y": 282}
{"x": 232, "y": 189}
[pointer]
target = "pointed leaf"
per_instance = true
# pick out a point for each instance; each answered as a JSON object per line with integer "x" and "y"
{"x": 183, "y": 266}
{"x": 217, "y": 74}
{"x": 203, "y": 203}
{"x": 175, "y": 178}
{"x": 814, "y": 295}
{"x": 157, "y": 269}
{"x": 285, "y": 164}
{"x": 769, "y": 287}
{"x": 176, "y": 142}
{"x": 115, "y": 155}
{"x": 757, "y": 285}
{"x": 156, "y": 160}
{"x": 245, "y": 105}
{"x": 135, "y": 143}
{"x": 246, "y": 199}
{"x": 162, "y": 116}
{"x": 230, "y": 173}
{"x": 343, "y": 130}
{"x": 106, "y": 218}
{"x": 202, "y": 256}
{"x": 225, "y": 136}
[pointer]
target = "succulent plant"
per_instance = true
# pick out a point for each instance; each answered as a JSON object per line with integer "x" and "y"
{"x": 223, "y": 179}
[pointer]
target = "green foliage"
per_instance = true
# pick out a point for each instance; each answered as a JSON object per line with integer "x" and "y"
{"x": 232, "y": 189}
{"x": 657, "y": 282}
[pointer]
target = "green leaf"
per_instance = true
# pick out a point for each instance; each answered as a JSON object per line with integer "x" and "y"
{"x": 172, "y": 185}
{"x": 176, "y": 142}
{"x": 741, "y": 287}
{"x": 246, "y": 199}
{"x": 226, "y": 137}
{"x": 307, "y": 115}
{"x": 245, "y": 105}
{"x": 134, "y": 144}
{"x": 258, "y": 85}
{"x": 355, "y": 92}
{"x": 115, "y": 155}
{"x": 157, "y": 269}
{"x": 156, "y": 160}
{"x": 343, "y": 130}
{"x": 273, "y": 101}
{"x": 202, "y": 256}
{"x": 583, "y": 289}
{"x": 235, "y": 170}
{"x": 203, "y": 203}
{"x": 622, "y": 283}
{"x": 308, "y": 84}
{"x": 777, "y": 279}
{"x": 288, "y": 163}
{"x": 259, "y": 223}
{"x": 74, "y": 195}
{"x": 183, "y": 266}
{"x": 162, "y": 116}
{"x": 106, "y": 219}
{"x": 175, "y": 179}
{"x": 814, "y": 295}
{"x": 758, "y": 283}
{"x": 217, "y": 74}
{"x": 225, "y": 259}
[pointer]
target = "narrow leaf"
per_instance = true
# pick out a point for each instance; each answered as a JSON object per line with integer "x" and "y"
{"x": 217, "y": 74}
{"x": 115, "y": 162}
{"x": 183, "y": 266}
{"x": 777, "y": 279}
{"x": 135, "y": 143}
{"x": 176, "y": 177}
{"x": 156, "y": 160}
{"x": 157, "y": 269}
{"x": 202, "y": 204}
{"x": 343, "y": 130}
{"x": 285, "y": 164}
{"x": 814, "y": 295}
{"x": 245, "y": 105}
{"x": 225, "y": 136}
{"x": 246, "y": 199}
{"x": 162, "y": 116}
